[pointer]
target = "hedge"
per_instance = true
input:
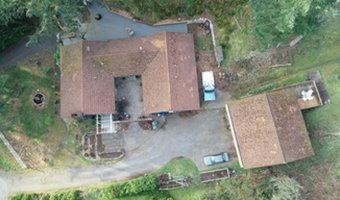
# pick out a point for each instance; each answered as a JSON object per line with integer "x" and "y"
{"x": 139, "y": 185}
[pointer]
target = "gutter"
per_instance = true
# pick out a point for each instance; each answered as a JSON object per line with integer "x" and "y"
{"x": 234, "y": 137}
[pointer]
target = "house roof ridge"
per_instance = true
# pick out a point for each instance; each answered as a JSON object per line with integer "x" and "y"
{"x": 168, "y": 67}
{"x": 274, "y": 122}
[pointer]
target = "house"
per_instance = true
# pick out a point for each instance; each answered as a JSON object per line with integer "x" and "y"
{"x": 269, "y": 129}
{"x": 165, "y": 62}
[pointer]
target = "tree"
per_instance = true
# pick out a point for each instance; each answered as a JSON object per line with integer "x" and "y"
{"x": 285, "y": 188}
{"x": 274, "y": 20}
{"x": 11, "y": 10}
{"x": 52, "y": 15}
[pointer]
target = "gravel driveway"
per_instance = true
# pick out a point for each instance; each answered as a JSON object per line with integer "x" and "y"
{"x": 192, "y": 137}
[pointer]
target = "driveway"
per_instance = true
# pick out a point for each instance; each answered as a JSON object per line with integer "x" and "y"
{"x": 192, "y": 137}
{"x": 113, "y": 26}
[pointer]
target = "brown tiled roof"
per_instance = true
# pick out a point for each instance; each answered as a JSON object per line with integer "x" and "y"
{"x": 71, "y": 79}
{"x": 166, "y": 62}
{"x": 269, "y": 129}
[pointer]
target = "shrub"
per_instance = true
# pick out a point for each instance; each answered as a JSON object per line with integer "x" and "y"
{"x": 71, "y": 195}
{"x": 136, "y": 186}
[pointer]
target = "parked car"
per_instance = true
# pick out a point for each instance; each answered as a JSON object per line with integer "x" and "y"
{"x": 216, "y": 159}
{"x": 208, "y": 86}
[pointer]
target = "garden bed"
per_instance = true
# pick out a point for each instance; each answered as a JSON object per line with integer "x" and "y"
{"x": 216, "y": 175}
{"x": 167, "y": 182}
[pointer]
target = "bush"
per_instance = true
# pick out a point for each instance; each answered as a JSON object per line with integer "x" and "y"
{"x": 71, "y": 195}
{"x": 136, "y": 186}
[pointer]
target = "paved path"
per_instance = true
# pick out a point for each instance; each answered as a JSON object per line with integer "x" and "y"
{"x": 113, "y": 26}
{"x": 192, "y": 137}
{"x": 19, "y": 51}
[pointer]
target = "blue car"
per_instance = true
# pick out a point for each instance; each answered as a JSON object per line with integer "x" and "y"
{"x": 216, "y": 159}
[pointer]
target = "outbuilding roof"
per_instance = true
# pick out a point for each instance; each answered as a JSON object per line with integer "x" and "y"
{"x": 166, "y": 62}
{"x": 269, "y": 129}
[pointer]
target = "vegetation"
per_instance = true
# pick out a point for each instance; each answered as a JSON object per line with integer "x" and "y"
{"x": 132, "y": 187}
{"x": 142, "y": 185}
{"x": 283, "y": 188}
{"x": 71, "y": 195}
{"x": 317, "y": 51}
{"x": 152, "y": 11}
{"x": 51, "y": 16}
{"x": 17, "y": 87}
{"x": 181, "y": 167}
{"x": 7, "y": 161}
{"x": 13, "y": 34}
{"x": 276, "y": 20}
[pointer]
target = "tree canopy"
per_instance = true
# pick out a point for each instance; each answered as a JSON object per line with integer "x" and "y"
{"x": 52, "y": 15}
{"x": 273, "y": 20}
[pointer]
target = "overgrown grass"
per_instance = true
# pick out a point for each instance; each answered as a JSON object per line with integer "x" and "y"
{"x": 241, "y": 39}
{"x": 7, "y": 162}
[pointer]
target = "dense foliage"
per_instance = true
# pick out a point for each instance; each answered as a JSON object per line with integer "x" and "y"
{"x": 52, "y": 15}
{"x": 285, "y": 188}
{"x": 275, "y": 20}
{"x": 136, "y": 186}
{"x": 152, "y": 11}
{"x": 11, "y": 35}
{"x": 72, "y": 195}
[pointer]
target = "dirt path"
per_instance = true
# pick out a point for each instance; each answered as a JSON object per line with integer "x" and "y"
{"x": 19, "y": 51}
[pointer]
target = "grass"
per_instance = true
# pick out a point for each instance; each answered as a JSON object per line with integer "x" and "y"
{"x": 241, "y": 40}
{"x": 181, "y": 167}
{"x": 48, "y": 140}
{"x": 21, "y": 85}
{"x": 7, "y": 161}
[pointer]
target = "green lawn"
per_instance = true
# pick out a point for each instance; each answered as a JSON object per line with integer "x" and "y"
{"x": 17, "y": 108}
